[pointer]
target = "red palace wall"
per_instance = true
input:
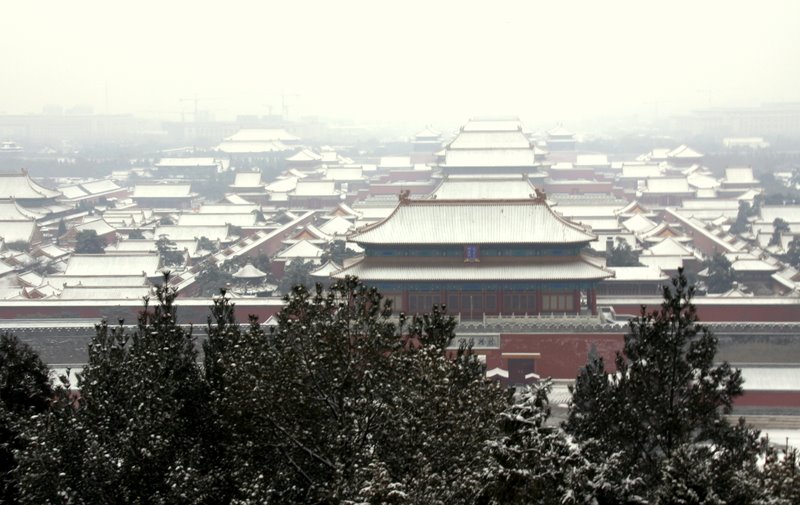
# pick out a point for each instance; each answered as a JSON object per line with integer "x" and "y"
{"x": 557, "y": 355}
{"x": 731, "y": 311}
{"x": 769, "y": 399}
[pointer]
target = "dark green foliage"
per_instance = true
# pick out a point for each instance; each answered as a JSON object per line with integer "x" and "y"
{"x": 337, "y": 251}
{"x": 135, "y": 434}
{"x": 342, "y": 403}
{"x": 720, "y": 274}
{"x": 62, "y": 227}
{"x": 18, "y": 245}
{"x": 742, "y": 223}
{"x": 166, "y": 221}
{"x": 24, "y": 391}
{"x": 391, "y": 419}
{"x": 298, "y": 273}
{"x": 136, "y": 235}
{"x": 168, "y": 251}
{"x": 532, "y": 462}
{"x": 211, "y": 279}
{"x": 792, "y": 255}
{"x": 781, "y": 476}
{"x": 261, "y": 262}
{"x": 779, "y": 227}
{"x": 88, "y": 242}
{"x": 665, "y": 401}
{"x": 622, "y": 255}
{"x": 206, "y": 244}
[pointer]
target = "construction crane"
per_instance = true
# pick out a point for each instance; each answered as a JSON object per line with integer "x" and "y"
{"x": 196, "y": 101}
{"x": 284, "y": 105}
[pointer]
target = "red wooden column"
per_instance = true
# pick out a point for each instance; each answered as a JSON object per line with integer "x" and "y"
{"x": 591, "y": 298}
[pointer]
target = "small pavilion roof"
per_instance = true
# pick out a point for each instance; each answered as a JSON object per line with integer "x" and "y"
{"x": 304, "y": 155}
{"x": 684, "y": 152}
{"x": 249, "y": 272}
{"x": 638, "y": 224}
{"x": 326, "y": 270}
{"x": 301, "y": 249}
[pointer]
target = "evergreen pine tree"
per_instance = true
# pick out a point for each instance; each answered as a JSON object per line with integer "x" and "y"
{"x": 134, "y": 434}
{"x": 24, "y": 392}
{"x": 665, "y": 396}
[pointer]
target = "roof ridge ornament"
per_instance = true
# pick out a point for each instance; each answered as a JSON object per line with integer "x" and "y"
{"x": 405, "y": 196}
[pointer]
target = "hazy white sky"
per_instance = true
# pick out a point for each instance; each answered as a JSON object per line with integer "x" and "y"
{"x": 420, "y": 61}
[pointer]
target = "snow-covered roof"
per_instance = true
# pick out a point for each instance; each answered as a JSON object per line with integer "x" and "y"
{"x": 638, "y": 224}
{"x": 223, "y": 208}
{"x": 20, "y": 186}
{"x": 111, "y": 265}
{"x": 247, "y": 180}
{"x": 344, "y": 173}
{"x": 592, "y": 160}
{"x": 684, "y": 152}
{"x": 702, "y": 181}
{"x": 104, "y": 293}
{"x": 484, "y": 188}
{"x": 214, "y": 232}
{"x": 428, "y": 133}
{"x": 663, "y": 185}
{"x": 162, "y": 191}
{"x": 789, "y": 213}
{"x": 13, "y": 231}
{"x": 187, "y": 162}
{"x": 10, "y": 210}
{"x": 490, "y": 158}
{"x": 740, "y": 175}
{"x": 668, "y": 247}
{"x": 637, "y": 273}
{"x": 315, "y": 188}
{"x": 473, "y": 222}
{"x": 192, "y": 219}
{"x": 98, "y": 225}
{"x": 301, "y": 249}
{"x": 262, "y": 135}
{"x": 304, "y": 155}
{"x": 100, "y": 186}
{"x": 490, "y": 143}
{"x": 249, "y": 272}
{"x": 336, "y": 226}
{"x": 448, "y": 269}
{"x": 395, "y": 162}
{"x": 326, "y": 270}
{"x": 61, "y": 281}
{"x": 252, "y": 147}
{"x": 51, "y": 251}
{"x": 641, "y": 171}
{"x": 282, "y": 185}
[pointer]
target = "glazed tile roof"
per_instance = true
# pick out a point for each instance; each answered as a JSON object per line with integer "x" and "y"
{"x": 473, "y": 222}
{"x": 482, "y": 189}
{"x": 19, "y": 185}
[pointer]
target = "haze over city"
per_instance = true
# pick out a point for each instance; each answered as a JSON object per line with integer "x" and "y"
{"x": 394, "y": 62}
{"x": 419, "y": 252}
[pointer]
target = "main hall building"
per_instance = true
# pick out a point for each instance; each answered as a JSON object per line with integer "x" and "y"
{"x": 478, "y": 253}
